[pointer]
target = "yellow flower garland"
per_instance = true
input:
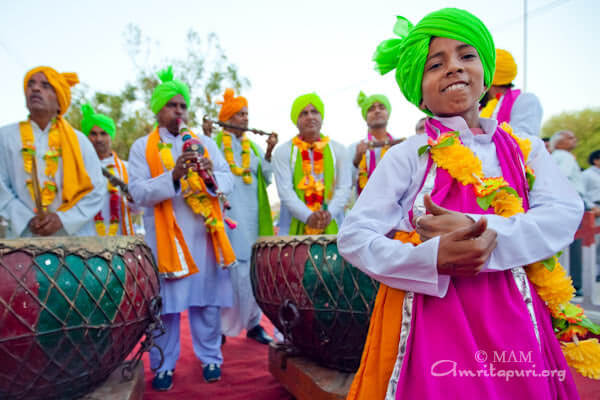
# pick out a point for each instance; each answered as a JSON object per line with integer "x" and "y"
{"x": 192, "y": 190}
{"x": 549, "y": 278}
{"x": 51, "y": 159}
{"x": 363, "y": 175}
{"x": 244, "y": 170}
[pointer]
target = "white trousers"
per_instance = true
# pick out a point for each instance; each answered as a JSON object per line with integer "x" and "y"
{"x": 205, "y": 326}
{"x": 244, "y": 313}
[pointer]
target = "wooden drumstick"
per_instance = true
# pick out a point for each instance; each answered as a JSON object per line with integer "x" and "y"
{"x": 37, "y": 193}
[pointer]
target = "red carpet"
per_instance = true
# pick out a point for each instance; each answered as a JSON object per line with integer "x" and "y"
{"x": 245, "y": 372}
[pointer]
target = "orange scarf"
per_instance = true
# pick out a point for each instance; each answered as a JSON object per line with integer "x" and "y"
{"x": 76, "y": 181}
{"x": 168, "y": 233}
{"x": 126, "y": 224}
{"x": 381, "y": 347}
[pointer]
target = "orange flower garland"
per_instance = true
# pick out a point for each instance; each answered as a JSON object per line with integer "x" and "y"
{"x": 244, "y": 170}
{"x": 313, "y": 188}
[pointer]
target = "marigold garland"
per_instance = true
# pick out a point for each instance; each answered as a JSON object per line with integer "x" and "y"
{"x": 51, "y": 159}
{"x": 313, "y": 188}
{"x": 363, "y": 175}
{"x": 244, "y": 170}
{"x": 192, "y": 190}
{"x": 549, "y": 278}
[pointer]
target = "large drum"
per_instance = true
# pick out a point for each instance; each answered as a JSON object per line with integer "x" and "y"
{"x": 318, "y": 300}
{"x": 71, "y": 310}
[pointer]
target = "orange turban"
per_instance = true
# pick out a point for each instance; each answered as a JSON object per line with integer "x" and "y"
{"x": 230, "y": 105}
{"x": 61, "y": 83}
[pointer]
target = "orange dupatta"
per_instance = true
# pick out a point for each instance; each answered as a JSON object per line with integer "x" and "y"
{"x": 381, "y": 347}
{"x": 169, "y": 236}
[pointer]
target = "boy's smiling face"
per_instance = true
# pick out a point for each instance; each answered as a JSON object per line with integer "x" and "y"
{"x": 453, "y": 80}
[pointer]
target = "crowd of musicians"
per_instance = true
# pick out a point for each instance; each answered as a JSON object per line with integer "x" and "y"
{"x": 204, "y": 201}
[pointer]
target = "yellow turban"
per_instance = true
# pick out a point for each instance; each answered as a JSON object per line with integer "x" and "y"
{"x": 231, "y": 105}
{"x": 506, "y": 68}
{"x": 61, "y": 83}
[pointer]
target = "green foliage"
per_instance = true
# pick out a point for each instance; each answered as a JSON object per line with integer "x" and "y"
{"x": 205, "y": 68}
{"x": 585, "y": 124}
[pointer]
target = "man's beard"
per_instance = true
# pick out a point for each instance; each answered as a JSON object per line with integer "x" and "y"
{"x": 378, "y": 125}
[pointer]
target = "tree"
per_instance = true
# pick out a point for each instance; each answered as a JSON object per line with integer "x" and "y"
{"x": 205, "y": 69}
{"x": 585, "y": 124}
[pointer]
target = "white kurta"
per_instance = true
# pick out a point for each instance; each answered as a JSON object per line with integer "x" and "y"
{"x": 548, "y": 226}
{"x": 351, "y": 154}
{"x": 245, "y": 313}
{"x": 591, "y": 184}
{"x": 526, "y": 114}
{"x": 105, "y": 210}
{"x": 16, "y": 204}
{"x": 211, "y": 285}
{"x": 291, "y": 205}
{"x": 567, "y": 164}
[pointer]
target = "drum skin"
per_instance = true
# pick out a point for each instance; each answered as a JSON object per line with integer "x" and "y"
{"x": 71, "y": 310}
{"x": 334, "y": 300}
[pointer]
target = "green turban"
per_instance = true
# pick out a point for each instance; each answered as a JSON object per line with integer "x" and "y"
{"x": 365, "y": 102}
{"x": 90, "y": 119}
{"x": 408, "y": 53}
{"x": 302, "y": 101}
{"x": 168, "y": 89}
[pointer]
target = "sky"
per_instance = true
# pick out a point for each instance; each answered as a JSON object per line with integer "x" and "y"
{"x": 290, "y": 48}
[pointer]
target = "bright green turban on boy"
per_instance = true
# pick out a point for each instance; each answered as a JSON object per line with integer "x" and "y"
{"x": 408, "y": 53}
{"x": 168, "y": 89}
{"x": 365, "y": 102}
{"x": 90, "y": 119}
{"x": 302, "y": 101}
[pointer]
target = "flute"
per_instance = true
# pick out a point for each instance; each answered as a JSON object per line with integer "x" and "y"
{"x": 229, "y": 126}
{"x": 115, "y": 181}
{"x": 380, "y": 143}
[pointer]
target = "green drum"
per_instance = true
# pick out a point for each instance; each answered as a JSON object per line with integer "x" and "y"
{"x": 71, "y": 310}
{"x": 320, "y": 302}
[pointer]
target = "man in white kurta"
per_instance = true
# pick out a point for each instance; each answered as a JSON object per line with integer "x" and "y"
{"x": 100, "y": 130}
{"x": 591, "y": 185}
{"x": 522, "y": 110}
{"x": 307, "y": 115}
{"x": 249, "y": 209}
{"x": 562, "y": 144}
{"x": 375, "y": 110}
{"x": 202, "y": 293}
{"x": 48, "y": 98}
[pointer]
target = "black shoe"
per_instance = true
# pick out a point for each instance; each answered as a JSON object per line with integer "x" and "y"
{"x": 211, "y": 372}
{"x": 597, "y": 278}
{"x": 578, "y": 292}
{"x": 258, "y": 333}
{"x": 163, "y": 381}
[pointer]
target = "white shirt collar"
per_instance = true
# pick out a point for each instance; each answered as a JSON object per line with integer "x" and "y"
{"x": 457, "y": 123}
